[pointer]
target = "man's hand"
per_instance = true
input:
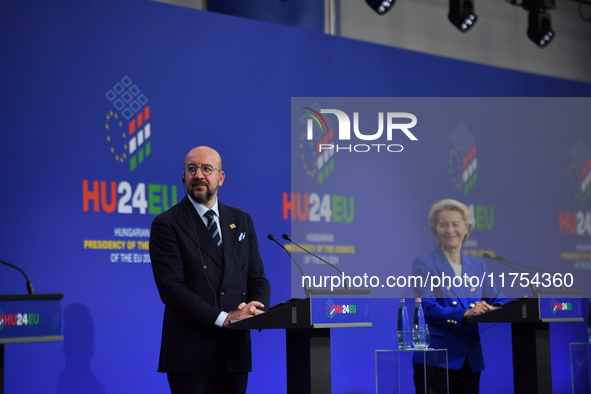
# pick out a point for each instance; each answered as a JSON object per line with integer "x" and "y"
{"x": 244, "y": 311}
{"x": 479, "y": 308}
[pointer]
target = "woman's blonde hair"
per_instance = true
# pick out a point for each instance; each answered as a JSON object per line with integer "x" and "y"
{"x": 450, "y": 205}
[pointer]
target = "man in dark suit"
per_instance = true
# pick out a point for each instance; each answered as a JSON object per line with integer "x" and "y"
{"x": 208, "y": 271}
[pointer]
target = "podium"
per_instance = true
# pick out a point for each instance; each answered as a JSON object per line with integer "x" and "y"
{"x": 580, "y": 367}
{"x": 29, "y": 318}
{"x": 307, "y": 337}
{"x": 530, "y": 334}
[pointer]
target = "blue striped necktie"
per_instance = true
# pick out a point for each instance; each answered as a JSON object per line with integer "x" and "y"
{"x": 213, "y": 227}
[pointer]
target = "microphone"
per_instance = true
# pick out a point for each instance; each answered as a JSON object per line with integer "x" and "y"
{"x": 30, "y": 289}
{"x": 286, "y": 237}
{"x": 498, "y": 260}
{"x": 489, "y": 256}
{"x": 272, "y": 238}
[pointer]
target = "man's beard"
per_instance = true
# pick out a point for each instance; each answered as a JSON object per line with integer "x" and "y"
{"x": 204, "y": 197}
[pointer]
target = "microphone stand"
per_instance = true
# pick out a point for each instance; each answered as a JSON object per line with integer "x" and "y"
{"x": 510, "y": 265}
{"x": 286, "y": 237}
{"x": 532, "y": 268}
{"x": 30, "y": 288}
{"x": 306, "y": 290}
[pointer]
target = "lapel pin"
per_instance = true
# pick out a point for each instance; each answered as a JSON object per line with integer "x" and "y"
{"x": 232, "y": 226}
{"x": 473, "y": 290}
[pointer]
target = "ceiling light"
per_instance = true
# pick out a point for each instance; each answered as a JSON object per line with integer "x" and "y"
{"x": 539, "y": 22}
{"x": 381, "y": 6}
{"x": 539, "y": 28}
{"x": 461, "y": 14}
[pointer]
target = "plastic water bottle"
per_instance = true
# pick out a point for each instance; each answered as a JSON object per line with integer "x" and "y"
{"x": 404, "y": 330}
{"x": 419, "y": 327}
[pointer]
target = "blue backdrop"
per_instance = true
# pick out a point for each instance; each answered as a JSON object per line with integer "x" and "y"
{"x": 101, "y": 100}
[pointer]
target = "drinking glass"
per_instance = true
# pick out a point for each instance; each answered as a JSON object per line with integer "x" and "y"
{"x": 421, "y": 337}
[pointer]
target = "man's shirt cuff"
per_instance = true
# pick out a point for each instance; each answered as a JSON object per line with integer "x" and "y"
{"x": 221, "y": 319}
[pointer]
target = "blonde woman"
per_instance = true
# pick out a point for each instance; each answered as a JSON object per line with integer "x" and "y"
{"x": 447, "y": 307}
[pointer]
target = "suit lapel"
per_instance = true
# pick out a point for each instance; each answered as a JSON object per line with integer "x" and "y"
{"x": 188, "y": 219}
{"x": 193, "y": 225}
{"x": 229, "y": 229}
{"x": 469, "y": 270}
{"x": 444, "y": 266}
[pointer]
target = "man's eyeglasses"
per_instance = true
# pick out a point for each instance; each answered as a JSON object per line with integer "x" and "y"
{"x": 205, "y": 170}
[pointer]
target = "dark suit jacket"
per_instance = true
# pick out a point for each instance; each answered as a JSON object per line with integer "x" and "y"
{"x": 445, "y": 307}
{"x": 196, "y": 281}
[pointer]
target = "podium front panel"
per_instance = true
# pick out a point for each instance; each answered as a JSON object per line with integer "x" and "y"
{"x": 559, "y": 307}
{"x": 30, "y": 318}
{"x": 339, "y": 311}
